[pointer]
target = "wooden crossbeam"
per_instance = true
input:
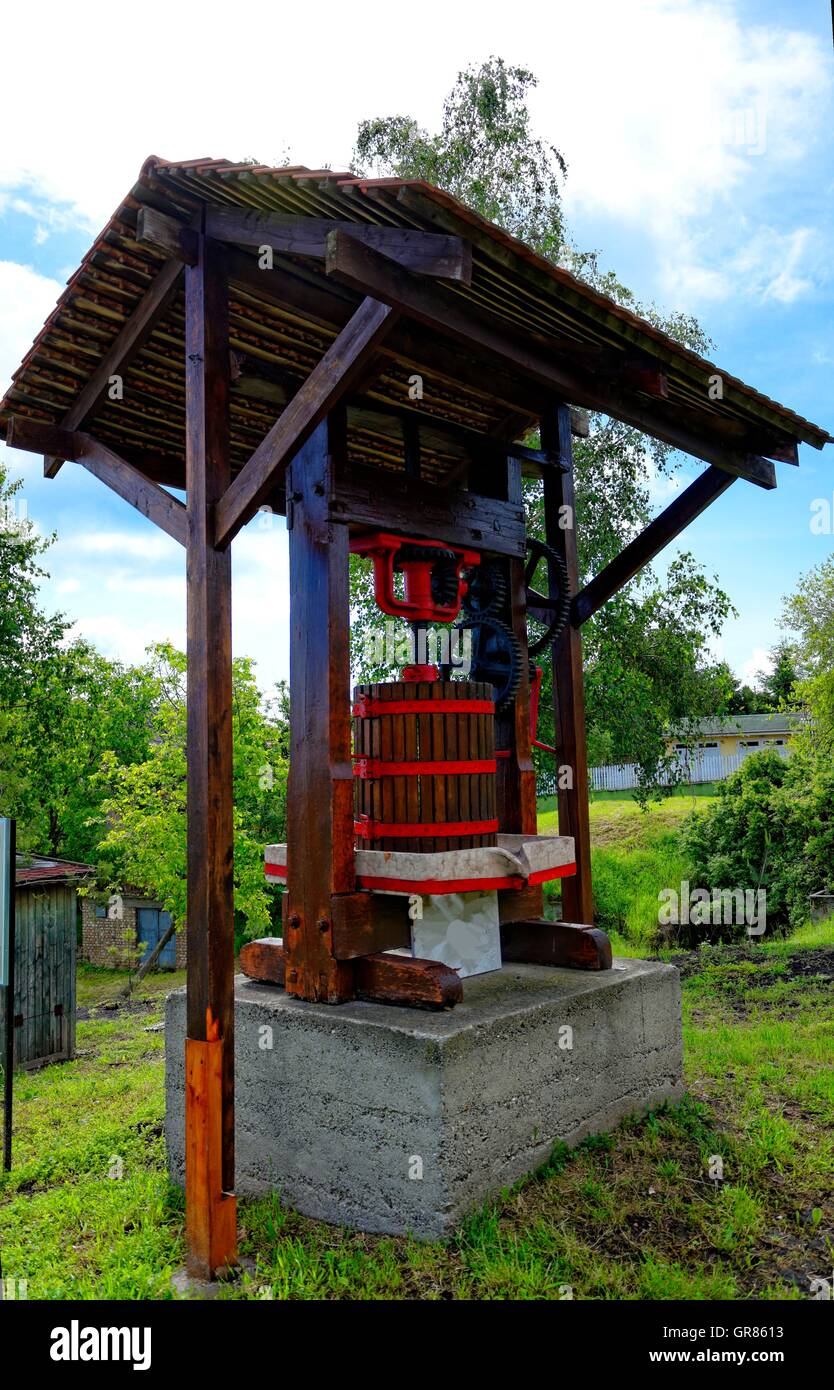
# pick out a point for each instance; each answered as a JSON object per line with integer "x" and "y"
{"x": 381, "y": 978}
{"x": 331, "y": 378}
{"x": 365, "y": 412}
{"x": 540, "y": 942}
{"x": 684, "y": 509}
{"x": 104, "y": 463}
{"x": 425, "y": 253}
{"x": 128, "y": 341}
{"x": 166, "y": 234}
{"x": 374, "y": 498}
{"x": 411, "y": 345}
{"x": 364, "y": 270}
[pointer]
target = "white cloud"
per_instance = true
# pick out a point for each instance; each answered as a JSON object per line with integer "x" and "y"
{"x": 763, "y": 263}
{"x": 682, "y": 103}
{"x": 125, "y": 638}
{"x": 126, "y": 590}
{"x": 150, "y": 544}
{"x": 758, "y": 660}
{"x": 656, "y": 103}
{"x": 661, "y": 487}
{"x": 666, "y": 110}
{"x": 27, "y": 299}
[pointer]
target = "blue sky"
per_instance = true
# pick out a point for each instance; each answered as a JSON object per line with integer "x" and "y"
{"x": 700, "y": 144}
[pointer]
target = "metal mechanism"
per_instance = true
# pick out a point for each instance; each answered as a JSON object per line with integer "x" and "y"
{"x": 496, "y": 657}
{"x": 547, "y": 614}
{"x": 486, "y": 592}
{"x": 433, "y": 576}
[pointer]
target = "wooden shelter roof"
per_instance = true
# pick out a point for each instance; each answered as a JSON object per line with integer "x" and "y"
{"x": 608, "y": 355}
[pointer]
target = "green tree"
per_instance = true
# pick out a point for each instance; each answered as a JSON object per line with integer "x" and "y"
{"x": 778, "y": 685}
{"x": 646, "y": 652}
{"x": 27, "y": 634}
{"x": 809, "y": 614}
{"x": 143, "y": 810}
{"x": 77, "y": 707}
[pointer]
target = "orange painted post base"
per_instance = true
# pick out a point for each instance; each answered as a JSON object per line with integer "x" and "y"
{"x": 210, "y": 1213}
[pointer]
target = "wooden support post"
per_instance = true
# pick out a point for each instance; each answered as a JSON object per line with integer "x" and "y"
{"x": 516, "y": 776}
{"x": 568, "y": 681}
{"x": 209, "y": 1177}
{"x": 320, "y": 791}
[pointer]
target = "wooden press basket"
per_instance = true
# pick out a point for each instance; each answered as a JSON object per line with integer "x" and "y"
{"x": 426, "y": 768}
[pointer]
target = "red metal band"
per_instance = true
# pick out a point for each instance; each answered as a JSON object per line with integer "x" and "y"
{"x": 366, "y": 708}
{"x": 545, "y": 875}
{"x": 441, "y": 885}
{"x": 371, "y": 768}
{"x": 434, "y": 887}
{"x": 421, "y": 830}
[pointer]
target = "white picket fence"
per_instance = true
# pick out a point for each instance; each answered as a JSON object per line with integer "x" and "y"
{"x": 706, "y": 765}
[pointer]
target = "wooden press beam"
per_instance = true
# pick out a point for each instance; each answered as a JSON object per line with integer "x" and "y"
{"x": 210, "y": 840}
{"x": 121, "y": 352}
{"x": 426, "y": 253}
{"x": 364, "y": 270}
{"x": 104, "y": 463}
{"x": 382, "y": 978}
{"x": 684, "y": 509}
{"x": 331, "y": 378}
{"x": 540, "y": 942}
{"x": 568, "y": 678}
{"x": 382, "y": 501}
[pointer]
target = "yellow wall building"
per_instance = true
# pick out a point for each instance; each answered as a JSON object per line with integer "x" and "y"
{"x": 734, "y": 733}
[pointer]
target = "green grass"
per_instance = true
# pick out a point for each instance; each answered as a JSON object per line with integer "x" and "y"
{"x": 617, "y": 819}
{"x": 634, "y": 854}
{"x": 97, "y": 985}
{"x": 88, "y": 1212}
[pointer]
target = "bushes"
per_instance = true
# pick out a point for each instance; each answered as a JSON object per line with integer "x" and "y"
{"x": 772, "y": 826}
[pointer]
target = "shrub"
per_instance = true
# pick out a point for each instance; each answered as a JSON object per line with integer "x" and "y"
{"x": 772, "y": 827}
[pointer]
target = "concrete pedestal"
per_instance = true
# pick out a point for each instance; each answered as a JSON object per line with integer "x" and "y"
{"x": 395, "y": 1120}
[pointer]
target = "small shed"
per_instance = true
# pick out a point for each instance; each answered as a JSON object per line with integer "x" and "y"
{"x": 112, "y": 931}
{"x": 46, "y": 911}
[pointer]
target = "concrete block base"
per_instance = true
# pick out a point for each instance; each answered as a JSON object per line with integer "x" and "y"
{"x": 394, "y": 1120}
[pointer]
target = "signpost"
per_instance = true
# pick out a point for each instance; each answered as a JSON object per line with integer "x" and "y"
{"x": 7, "y": 885}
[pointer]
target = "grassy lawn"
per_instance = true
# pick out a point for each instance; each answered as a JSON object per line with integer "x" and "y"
{"x": 88, "y": 1211}
{"x": 634, "y": 853}
{"x": 616, "y": 819}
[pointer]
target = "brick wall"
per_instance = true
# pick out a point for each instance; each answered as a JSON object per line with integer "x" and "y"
{"x": 104, "y": 940}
